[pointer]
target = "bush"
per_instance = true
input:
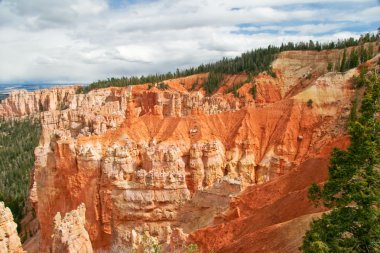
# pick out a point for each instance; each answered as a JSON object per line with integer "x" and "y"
{"x": 329, "y": 67}
{"x": 359, "y": 81}
{"x": 271, "y": 73}
{"x": 309, "y": 103}
{"x": 253, "y": 91}
{"x": 163, "y": 86}
{"x": 192, "y": 248}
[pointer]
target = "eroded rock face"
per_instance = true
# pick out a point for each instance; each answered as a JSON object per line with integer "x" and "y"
{"x": 152, "y": 166}
{"x": 138, "y": 179}
{"x": 22, "y": 102}
{"x": 70, "y": 235}
{"x": 9, "y": 239}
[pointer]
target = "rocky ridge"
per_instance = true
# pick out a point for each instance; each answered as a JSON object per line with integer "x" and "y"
{"x": 155, "y": 165}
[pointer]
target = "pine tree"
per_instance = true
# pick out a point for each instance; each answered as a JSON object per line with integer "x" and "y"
{"x": 354, "y": 59}
{"x": 343, "y": 63}
{"x": 353, "y": 188}
{"x": 18, "y": 139}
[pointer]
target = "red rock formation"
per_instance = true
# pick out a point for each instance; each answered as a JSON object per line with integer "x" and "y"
{"x": 137, "y": 177}
{"x": 150, "y": 163}
{"x": 267, "y": 218}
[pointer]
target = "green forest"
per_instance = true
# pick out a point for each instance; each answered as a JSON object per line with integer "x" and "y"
{"x": 18, "y": 138}
{"x": 252, "y": 62}
{"x": 352, "y": 191}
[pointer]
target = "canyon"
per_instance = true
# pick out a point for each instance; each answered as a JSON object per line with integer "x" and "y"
{"x": 139, "y": 167}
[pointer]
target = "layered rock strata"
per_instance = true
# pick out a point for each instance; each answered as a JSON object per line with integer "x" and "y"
{"x": 138, "y": 178}
{"x": 9, "y": 239}
{"x": 152, "y": 166}
{"x": 70, "y": 235}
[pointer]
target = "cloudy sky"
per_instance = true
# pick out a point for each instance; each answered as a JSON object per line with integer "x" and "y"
{"x": 68, "y": 41}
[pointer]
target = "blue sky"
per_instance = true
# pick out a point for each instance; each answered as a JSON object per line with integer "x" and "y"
{"x": 70, "y": 41}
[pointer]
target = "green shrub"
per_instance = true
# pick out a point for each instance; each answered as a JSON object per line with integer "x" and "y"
{"x": 271, "y": 73}
{"x": 163, "y": 86}
{"x": 309, "y": 103}
{"x": 192, "y": 248}
{"x": 253, "y": 91}
{"x": 330, "y": 67}
{"x": 359, "y": 81}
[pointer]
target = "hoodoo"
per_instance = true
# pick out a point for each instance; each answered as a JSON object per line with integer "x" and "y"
{"x": 171, "y": 167}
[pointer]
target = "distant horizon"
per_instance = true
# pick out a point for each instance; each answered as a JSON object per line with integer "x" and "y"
{"x": 6, "y": 88}
{"x": 45, "y": 83}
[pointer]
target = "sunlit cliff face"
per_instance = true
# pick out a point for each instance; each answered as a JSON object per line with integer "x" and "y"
{"x": 155, "y": 166}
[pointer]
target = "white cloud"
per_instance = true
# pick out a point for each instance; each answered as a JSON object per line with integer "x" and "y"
{"x": 86, "y": 40}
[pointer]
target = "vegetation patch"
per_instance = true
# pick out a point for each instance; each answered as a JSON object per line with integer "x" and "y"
{"x": 253, "y": 91}
{"x": 309, "y": 103}
{"x": 253, "y": 62}
{"x": 352, "y": 191}
{"x": 163, "y": 86}
{"x": 18, "y": 138}
{"x": 213, "y": 82}
{"x": 234, "y": 89}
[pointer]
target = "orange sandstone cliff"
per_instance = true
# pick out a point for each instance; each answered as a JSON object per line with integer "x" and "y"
{"x": 174, "y": 167}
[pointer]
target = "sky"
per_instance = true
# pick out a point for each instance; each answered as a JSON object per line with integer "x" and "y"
{"x": 80, "y": 41}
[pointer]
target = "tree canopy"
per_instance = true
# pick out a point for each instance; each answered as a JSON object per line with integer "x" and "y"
{"x": 18, "y": 138}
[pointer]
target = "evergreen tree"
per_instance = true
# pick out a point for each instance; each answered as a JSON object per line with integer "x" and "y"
{"x": 343, "y": 63}
{"x": 353, "y": 188}
{"x": 354, "y": 60}
{"x": 370, "y": 51}
{"x": 253, "y": 91}
{"x": 329, "y": 67}
{"x": 213, "y": 82}
{"x": 18, "y": 139}
{"x": 363, "y": 54}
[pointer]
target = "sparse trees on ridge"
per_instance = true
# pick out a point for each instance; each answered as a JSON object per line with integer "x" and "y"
{"x": 252, "y": 62}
